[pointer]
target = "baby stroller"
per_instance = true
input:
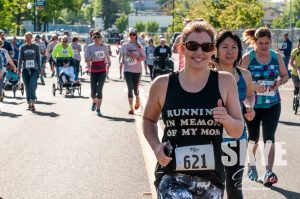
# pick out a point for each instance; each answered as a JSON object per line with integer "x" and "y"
{"x": 69, "y": 86}
{"x": 162, "y": 66}
{"x": 12, "y": 82}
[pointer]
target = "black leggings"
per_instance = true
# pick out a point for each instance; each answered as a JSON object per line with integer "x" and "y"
{"x": 97, "y": 82}
{"x": 234, "y": 173}
{"x": 269, "y": 118}
{"x": 151, "y": 71}
{"x": 132, "y": 81}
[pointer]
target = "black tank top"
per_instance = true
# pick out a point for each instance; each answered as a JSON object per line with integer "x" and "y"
{"x": 188, "y": 121}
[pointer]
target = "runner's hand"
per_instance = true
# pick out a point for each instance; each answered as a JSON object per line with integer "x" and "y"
{"x": 250, "y": 113}
{"x": 259, "y": 88}
{"x": 161, "y": 157}
{"x": 220, "y": 113}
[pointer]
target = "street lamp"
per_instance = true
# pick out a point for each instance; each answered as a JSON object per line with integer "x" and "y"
{"x": 94, "y": 19}
{"x": 29, "y": 6}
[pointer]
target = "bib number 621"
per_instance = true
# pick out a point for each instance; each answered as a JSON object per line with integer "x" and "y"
{"x": 198, "y": 157}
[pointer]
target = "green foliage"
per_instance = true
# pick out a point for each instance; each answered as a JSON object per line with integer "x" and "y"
{"x": 180, "y": 13}
{"x": 152, "y": 26}
{"x": 140, "y": 26}
{"x": 122, "y": 22}
{"x": 284, "y": 20}
{"x": 221, "y": 14}
{"x": 228, "y": 14}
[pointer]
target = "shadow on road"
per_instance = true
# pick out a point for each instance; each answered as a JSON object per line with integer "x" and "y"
{"x": 12, "y": 115}
{"x": 17, "y": 98}
{"x": 117, "y": 80}
{"x": 13, "y": 103}
{"x": 76, "y": 96}
{"x": 119, "y": 119}
{"x": 45, "y": 103}
{"x": 146, "y": 81}
{"x": 286, "y": 193}
{"x": 290, "y": 123}
{"x": 49, "y": 114}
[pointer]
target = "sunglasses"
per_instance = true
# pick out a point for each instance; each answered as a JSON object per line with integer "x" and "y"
{"x": 132, "y": 34}
{"x": 205, "y": 47}
{"x": 65, "y": 41}
{"x": 97, "y": 37}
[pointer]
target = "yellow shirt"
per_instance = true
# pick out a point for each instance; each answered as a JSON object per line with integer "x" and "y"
{"x": 60, "y": 52}
{"x": 297, "y": 60}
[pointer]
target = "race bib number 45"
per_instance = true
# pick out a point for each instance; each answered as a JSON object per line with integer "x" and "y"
{"x": 198, "y": 157}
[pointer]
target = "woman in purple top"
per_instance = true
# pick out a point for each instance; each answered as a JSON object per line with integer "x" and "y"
{"x": 133, "y": 56}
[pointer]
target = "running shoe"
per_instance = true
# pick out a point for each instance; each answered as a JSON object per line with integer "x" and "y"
{"x": 252, "y": 174}
{"x": 29, "y": 107}
{"x": 99, "y": 112}
{"x": 93, "y": 106}
{"x": 137, "y": 103}
{"x": 131, "y": 112}
{"x": 269, "y": 178}
{"x": 32, "y": 108}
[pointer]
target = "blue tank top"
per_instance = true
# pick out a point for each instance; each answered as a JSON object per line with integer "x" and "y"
{"x": 242, "y": 89}
{"x": 265, "y": 74}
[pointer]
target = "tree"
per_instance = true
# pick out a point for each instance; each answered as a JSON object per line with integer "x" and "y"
{"x": 228, "y": 14}
{"x": 152, "y": 26}
{"x": 122, "y": 22}
{"x": 140, "y": 26}
{"x": 284, "y": 20}
{"x": 180, "y": 13}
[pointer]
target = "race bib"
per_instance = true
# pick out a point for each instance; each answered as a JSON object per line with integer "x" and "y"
{"x": 75, "y": 51}
{"x": 29, "y": 64}
{"x": 198, "y": 157}
{"x": 151, "y": 56}
{"x": 100, "y": 54}
{"x": 65, "y": 52}
{"x": 268, "y": 85}
{"x": 162, "y": 50}
{"x": 131, "y": 61}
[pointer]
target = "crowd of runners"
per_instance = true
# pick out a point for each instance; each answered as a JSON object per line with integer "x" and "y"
{"x": 219, "y": 97}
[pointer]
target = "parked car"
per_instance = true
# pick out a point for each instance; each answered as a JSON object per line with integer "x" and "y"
{"x": 20, "y": 39}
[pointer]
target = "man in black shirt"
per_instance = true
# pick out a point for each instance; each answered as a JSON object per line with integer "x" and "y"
{"x": 161, "y": 54}
{"x": 6, "y": 44}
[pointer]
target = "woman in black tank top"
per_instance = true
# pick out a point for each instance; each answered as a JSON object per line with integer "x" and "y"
{"x": 194, "y": 108}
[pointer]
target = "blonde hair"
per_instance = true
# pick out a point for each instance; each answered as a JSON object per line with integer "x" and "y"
{"x": 250, "y": 36}
{"x": 28, "y": 34}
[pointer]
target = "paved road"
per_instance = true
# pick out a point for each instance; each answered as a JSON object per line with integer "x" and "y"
{"x": 65, "y": 151}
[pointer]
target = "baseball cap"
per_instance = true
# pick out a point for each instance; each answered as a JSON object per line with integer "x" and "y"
{"x": 1, "y": 32}
{"x": 132, "y": 30}
{"x": 37, "y": 36}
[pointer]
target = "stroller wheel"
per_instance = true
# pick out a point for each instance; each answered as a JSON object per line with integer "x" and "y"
{"x": 53, "y": 89}
{"x": 2, "y": 96}
{"x": 79, "y": 90}
{"x": 14, "y": 90}
{"x": 22, "y": 89}
{"x": 60, "y": 89}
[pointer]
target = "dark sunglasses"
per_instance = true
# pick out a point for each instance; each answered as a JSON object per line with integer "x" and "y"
{"x": 97, "y": 37}
{"x": 132, "y": 34}
{"x": 193, "y": 46}
{"x": 65, "y": 41}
